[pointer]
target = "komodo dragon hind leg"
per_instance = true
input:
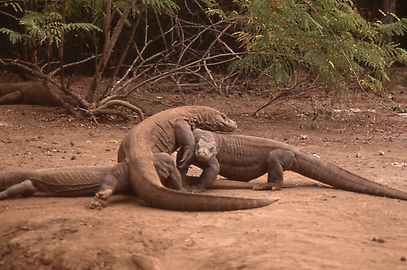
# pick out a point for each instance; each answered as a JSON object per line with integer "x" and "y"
{"x": 277, "y": 161}
{"x": 118, "y": 179}
{"x": 25, "y": 188}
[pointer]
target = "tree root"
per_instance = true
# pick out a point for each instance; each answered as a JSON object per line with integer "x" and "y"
{"x": 106, "y": 109}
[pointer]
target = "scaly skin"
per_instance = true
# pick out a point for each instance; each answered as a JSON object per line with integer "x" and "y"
{"x": 85, "y": 181}
{"x": 29, "y": 93}
{"x": 157, "y": 134}
{"x": 244, "y": 158}
{"x": 81, "y": 181}
{"x": 70, "y": 181}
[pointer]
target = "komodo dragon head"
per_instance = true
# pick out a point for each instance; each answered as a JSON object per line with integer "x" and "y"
{"x": 210, "y": 119}
{"x": 205, "y": 146}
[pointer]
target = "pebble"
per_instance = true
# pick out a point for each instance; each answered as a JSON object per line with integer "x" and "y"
{"x": 378, "y": 240}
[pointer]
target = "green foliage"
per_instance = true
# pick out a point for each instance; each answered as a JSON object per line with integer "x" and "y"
{"x": 41, "y": 24}
{"x": 398, "y": 108}
{"x": 329, "y": 38}
{"x": 44, "y": 25}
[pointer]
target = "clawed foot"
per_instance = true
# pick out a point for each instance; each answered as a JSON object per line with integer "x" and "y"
{"x": 186, "y": 159}
{"x": 100, "y": 199}
{"x": 267, "y": 186}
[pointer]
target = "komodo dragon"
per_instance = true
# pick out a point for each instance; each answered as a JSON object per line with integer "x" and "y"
{"x": 80, "y": 181}
{"x": 244, "y": 158}
{"x": 85, "y": 181}
{"x": 157, "y": 134}
{"x": 29, "y": 93}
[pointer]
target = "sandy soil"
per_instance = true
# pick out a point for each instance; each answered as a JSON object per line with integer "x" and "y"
{"x": 312, "y": 226}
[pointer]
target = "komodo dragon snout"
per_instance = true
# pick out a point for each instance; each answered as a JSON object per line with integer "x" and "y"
{"x": 217, "y": 121}
{"x": 205, "y": 148}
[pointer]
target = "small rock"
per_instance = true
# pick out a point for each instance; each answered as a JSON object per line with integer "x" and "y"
{"x": 381, "y": 153}
{"x": 403, "y": 259}
{"x": 303, "y": 137}
{"x": 358, "y": 155}
{"x": 73, "y": 158}
{"x": 378, "y": 240}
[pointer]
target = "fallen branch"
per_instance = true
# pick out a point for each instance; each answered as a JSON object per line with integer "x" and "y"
{"x": 15, "y": 230}
{"x": 122, "y": 103}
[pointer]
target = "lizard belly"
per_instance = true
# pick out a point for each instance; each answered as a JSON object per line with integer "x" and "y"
{"x": 242, "y": 171}
{"x": 242, "y": 160}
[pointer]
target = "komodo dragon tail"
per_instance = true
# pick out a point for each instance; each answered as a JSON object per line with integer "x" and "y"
{"x": 153, "y": 193}
{"x": 326, "y": 172}
{"x": 8, "y": 179}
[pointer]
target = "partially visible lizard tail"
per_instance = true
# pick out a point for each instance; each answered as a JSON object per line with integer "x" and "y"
{"x": 153, "y": 193}
{"x": 8, "y": 179}
{"x": 328, "y": 173}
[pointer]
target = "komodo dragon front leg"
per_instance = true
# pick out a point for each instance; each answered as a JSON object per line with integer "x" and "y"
{"x": 244, "y": 158}
{"x": 166, "y": 169}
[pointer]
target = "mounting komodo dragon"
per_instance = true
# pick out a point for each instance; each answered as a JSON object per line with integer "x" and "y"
{"x": 158, "y": 134}
{"x": 85, "y": 181}
{"x": 244, "y": 158}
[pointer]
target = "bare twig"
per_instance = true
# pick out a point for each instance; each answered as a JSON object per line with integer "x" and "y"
{"x": 51, "y": 74}
{"x": 120, "y": 103}
{"x": 15, "y": 230}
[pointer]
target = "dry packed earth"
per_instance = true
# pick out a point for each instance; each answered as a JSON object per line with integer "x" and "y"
{"x": 312, "y": 226}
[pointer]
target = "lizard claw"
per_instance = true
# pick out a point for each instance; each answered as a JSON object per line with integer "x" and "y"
{"x": 100, "y": 199}
{"x": 267, "y": 186}
{"x": 187, "y": 158}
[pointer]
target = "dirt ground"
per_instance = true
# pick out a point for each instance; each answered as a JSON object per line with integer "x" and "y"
{"x": 312, "y": 226}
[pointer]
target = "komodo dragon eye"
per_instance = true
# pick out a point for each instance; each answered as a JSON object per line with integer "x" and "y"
{"x": 212, "y": 149}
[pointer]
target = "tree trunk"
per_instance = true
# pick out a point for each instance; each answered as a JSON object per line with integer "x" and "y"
{"x": 389, "y": 6}
{"x": 92, "y": 94}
